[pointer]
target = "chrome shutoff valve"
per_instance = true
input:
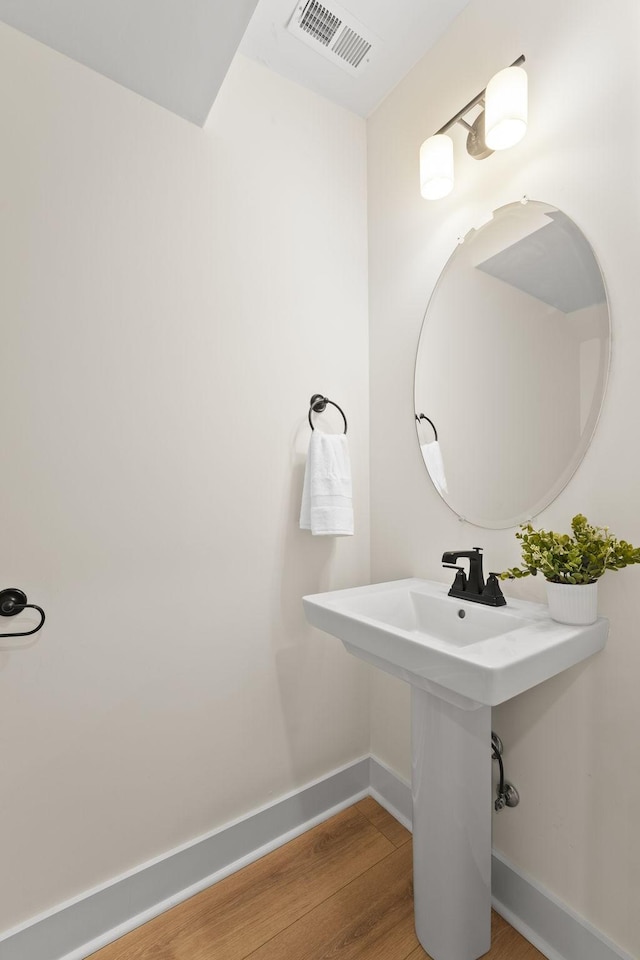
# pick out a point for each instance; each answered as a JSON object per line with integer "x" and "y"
{"x": 507, "y": 797}
{"x": 506, "y": 793}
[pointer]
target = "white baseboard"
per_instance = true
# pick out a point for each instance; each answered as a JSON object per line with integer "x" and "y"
{"x": 550, "y": 925}
{"x": 391, "y": 792}
{"x": 79, "y": 927}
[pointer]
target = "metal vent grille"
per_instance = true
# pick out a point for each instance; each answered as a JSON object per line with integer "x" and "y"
{"x": 334, "y": 33}
{"x": 319, "y": 22}
{"x": 351, "y": 47}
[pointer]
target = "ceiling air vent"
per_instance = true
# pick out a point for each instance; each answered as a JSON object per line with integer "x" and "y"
{"x": 334, "y": 33}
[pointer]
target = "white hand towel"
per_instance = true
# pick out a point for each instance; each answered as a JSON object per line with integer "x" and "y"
{"x": 435, "y": 465}
{"x": 327, "y": 507}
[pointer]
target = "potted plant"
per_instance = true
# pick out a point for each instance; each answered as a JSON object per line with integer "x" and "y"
{"x": 572, "y": 565}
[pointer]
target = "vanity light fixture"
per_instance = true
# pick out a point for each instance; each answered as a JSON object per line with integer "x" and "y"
{"x": 436, "y": 167}
{"x": 501, "y": 123}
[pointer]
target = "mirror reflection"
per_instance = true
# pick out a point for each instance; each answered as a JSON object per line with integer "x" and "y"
{"x": 512, "y": 365}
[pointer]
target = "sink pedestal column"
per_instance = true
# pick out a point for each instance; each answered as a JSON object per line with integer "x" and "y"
{"x": 452, "y": 803}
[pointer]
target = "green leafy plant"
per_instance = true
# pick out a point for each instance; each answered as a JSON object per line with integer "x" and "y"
{"x": 581, "y": 558}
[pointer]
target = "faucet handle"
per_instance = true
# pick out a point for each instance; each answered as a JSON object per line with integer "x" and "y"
{"x": 460, "y": 579}
{"x": 492, "y": 589}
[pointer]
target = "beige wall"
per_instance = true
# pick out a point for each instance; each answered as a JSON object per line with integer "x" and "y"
{"x": 171, "y": 298}
{"x": 571, "y": 743}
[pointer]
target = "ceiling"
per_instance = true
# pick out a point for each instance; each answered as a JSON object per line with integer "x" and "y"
{"x": 406, "y": 30}
{"x": 174, "y": 52}
{"x": 177, "y": 52}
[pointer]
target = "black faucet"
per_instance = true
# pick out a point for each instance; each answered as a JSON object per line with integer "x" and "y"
{"x": 473, "y": 587}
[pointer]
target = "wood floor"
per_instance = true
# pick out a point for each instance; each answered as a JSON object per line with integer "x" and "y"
{"x": 341, "y": 891}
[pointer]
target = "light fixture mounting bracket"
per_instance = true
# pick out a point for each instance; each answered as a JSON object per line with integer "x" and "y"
{"x": 476, "y": 145}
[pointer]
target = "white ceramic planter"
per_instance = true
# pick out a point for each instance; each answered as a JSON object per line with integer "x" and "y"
{"x": 573, "y": 602}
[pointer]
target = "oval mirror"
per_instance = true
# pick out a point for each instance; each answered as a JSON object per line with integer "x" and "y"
{"x": 512, "y": 365}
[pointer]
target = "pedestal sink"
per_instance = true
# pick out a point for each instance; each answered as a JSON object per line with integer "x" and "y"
{"x": 460, "y": 659}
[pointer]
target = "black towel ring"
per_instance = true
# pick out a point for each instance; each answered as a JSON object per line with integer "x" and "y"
{"x": 14, "y": 601}
{"x": 318, "y": 404}
{"x": 424, "y": 417}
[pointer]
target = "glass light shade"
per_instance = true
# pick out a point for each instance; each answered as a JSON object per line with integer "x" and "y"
{"x": 505, "y": 119}
{"x": 436, "y": 167}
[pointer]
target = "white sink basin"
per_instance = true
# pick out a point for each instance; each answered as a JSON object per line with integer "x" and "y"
{"x": 412, "y": 629}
